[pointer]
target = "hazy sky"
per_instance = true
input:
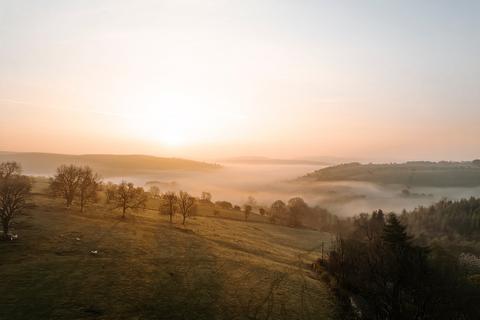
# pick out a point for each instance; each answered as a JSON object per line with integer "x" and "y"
{"x": 208, "y": 79}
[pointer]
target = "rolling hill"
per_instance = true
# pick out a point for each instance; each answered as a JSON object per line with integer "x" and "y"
{"x": 95, "y": 265}
{"x": 106, "y": 164}
{"x": 418, "y": 173}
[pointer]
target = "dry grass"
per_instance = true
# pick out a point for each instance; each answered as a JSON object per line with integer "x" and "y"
{"x": 214, "y": 268}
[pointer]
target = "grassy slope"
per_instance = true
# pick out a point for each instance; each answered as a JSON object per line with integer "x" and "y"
{"x": 443, "y": 174}
{"x": 148, "y": 269}
{"x": 105, "y": 164}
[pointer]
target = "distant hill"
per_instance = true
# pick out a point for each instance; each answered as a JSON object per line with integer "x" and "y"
{"x": 272, "y": 161}
{"x": 105, "y": 164}
{"x": 418, "y": 173}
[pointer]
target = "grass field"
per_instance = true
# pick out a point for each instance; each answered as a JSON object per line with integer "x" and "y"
{"x": 213, "y": 268}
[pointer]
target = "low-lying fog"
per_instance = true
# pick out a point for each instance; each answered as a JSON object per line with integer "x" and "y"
{"x": 267, "y": 183}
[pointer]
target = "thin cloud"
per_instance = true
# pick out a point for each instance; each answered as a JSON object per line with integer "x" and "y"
{"x": 76, "y": 109}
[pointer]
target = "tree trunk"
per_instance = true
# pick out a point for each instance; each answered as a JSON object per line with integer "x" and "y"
{"x": 123, "y": 212}
{"x": 5, "y": 229}
{"x": 82, "y": 202}
{"x": 395, "y": 307}
{"x": 69, "y": 200}
{"x": 183, "y": 219}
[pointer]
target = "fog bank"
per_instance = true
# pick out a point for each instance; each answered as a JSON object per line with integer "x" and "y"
{"x": 267, "y": 183}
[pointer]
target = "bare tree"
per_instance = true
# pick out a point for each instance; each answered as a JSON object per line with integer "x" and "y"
{"x": 8, "y": 169}
{"x": 206, "y": 196}
{"x": 65, "y": 182}
{"x": 110, "y": 190}
{"x": 129, "y": 197}
{"x": 248, "y": 210}
{"x": 169, "y": 203}
{"x": 14, "y": 192}
{"x": 186, "y": 204}
{"x": 88, "y": 187}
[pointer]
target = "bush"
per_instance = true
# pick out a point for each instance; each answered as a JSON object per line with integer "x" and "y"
{"x": 224, "y": 205}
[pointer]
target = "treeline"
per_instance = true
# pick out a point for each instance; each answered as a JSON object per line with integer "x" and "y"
{"x": 293, "y": 213}
{"x": 409, "y": 174}
{"x": 77, "y": 184}
{"x": 445, "y": 220}
{"x": 381, "y": 272}
{"x": 297, "y": 213}
{"x": 80, "y": 185}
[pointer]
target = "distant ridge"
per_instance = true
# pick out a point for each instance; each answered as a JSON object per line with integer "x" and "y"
{"x": 272, "y": 161}
{"x": 413, "y": 173}
{"x": 105, "y": 164}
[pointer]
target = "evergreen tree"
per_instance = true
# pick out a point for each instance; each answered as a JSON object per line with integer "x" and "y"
{"x": 394, "y": 233}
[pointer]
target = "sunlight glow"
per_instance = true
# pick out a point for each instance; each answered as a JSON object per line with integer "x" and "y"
{"x": 172, "y": 139}
{"x": 175, "y": 118}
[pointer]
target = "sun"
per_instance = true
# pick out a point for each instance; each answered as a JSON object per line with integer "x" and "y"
{"x": 175, "y": 118}
{"x": 170, "y": 135}
{"x": 172, "y": 138}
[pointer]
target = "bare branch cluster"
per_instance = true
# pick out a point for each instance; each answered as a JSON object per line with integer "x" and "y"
{"x": 182, "y": 202}
{"x": 126, "y": 196}
{"x": 14, "y": 193}
{"x": 70, "y": 182}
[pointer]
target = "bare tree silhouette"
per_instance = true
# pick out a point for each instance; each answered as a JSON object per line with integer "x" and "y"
{"x": 186, "y": 204}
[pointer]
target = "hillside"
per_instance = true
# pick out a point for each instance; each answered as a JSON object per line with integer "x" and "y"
{"x": 213, "y": 268}
{"x": 106, "y": 164}
{"x": 409, "y": 174}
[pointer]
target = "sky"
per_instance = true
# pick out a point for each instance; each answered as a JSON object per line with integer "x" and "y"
{"x": 382, "y": 80}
